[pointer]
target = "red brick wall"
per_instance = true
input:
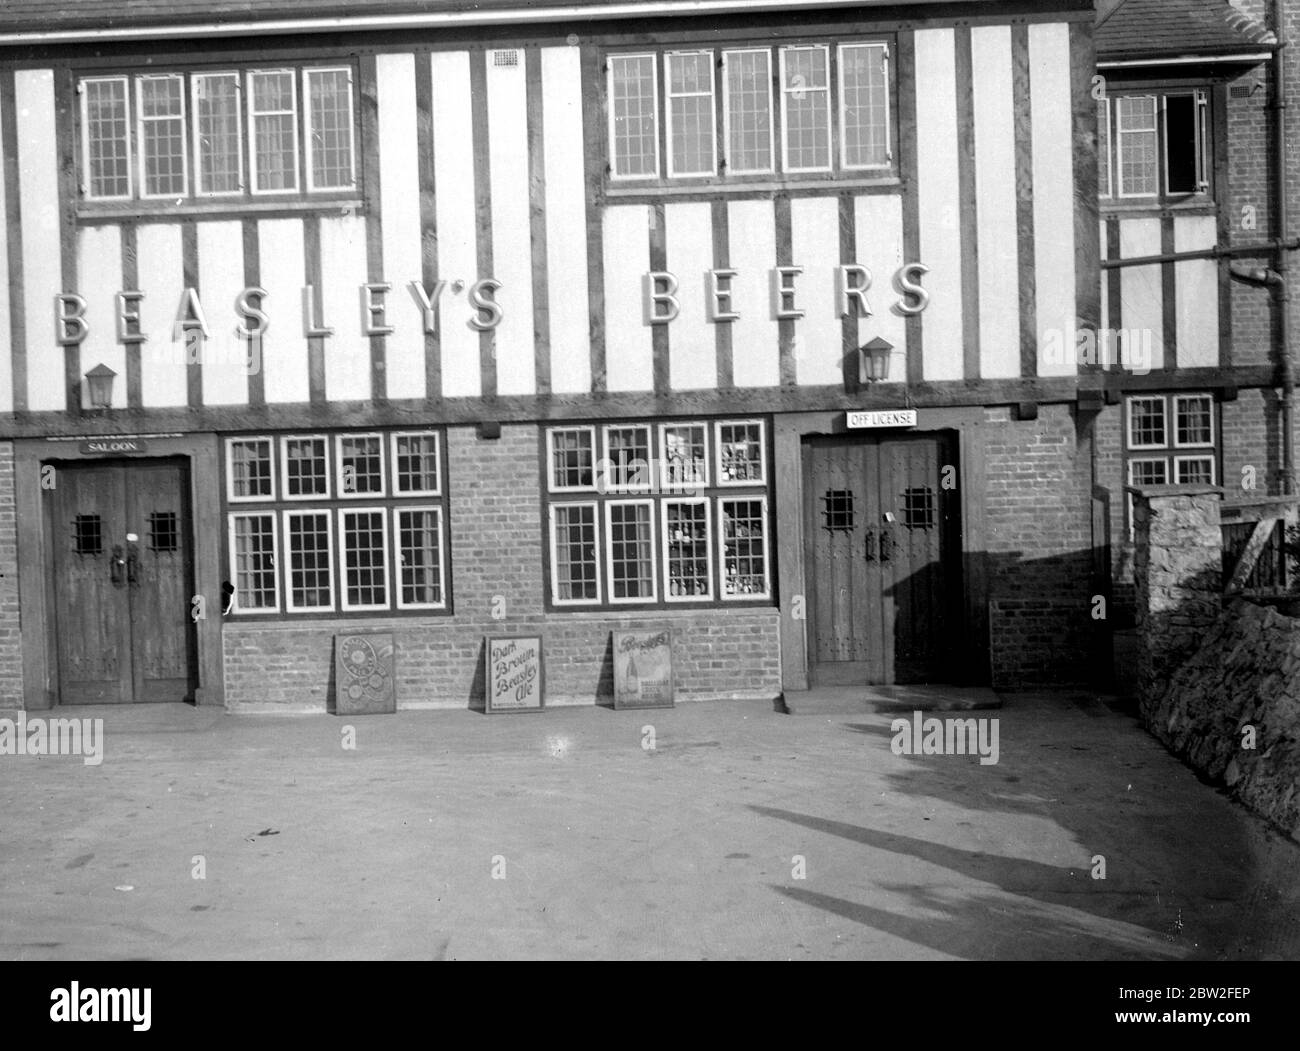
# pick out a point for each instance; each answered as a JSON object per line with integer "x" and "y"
{"x": 1039, "y": 547}
{"x": 497, "y": 552}
{"x": 11, "y": 646}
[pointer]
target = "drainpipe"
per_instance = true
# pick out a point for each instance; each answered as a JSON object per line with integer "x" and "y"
{"x": 1280, "y": 256}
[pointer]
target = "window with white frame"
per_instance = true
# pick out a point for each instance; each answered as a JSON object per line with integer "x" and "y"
{"x": 1154, "y": 145}
{"x": 344, "y": 523}
{"x": 782, "y": 110}
{"x": 1169, "y": 439}
{"x": 194, "y": 135}
{"x": 658, "y": 514}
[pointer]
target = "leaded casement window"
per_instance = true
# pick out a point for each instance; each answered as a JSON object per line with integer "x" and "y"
{"x": 212, "y": 134}
{"x": 820, "y": 109}
{"x": 658, "y": 514}
{"x": 1169, "y": 439}
{"x": 337, "y": 524}
{"x": 1154, "y": 145}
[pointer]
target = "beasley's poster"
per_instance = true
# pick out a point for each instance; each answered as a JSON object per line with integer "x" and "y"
{"x": 643, "y": 669}
{"x": 514, "y": 674}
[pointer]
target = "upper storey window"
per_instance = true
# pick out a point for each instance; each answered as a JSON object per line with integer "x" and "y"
{"x": 217, "y": 134}
{"x": 1154, "y": 146}
{"x": 816, "y": 109}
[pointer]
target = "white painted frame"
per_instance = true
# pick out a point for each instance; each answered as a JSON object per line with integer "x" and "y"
{"x": 309, "y": 173}
{"x": 249, "y": 98}
{"x": 141, "y": 120}
{"x": 437, "y": 463}
{"x": 1205, "y": 457}
{"x": 396, "y": 546}
{"x": 1120, "y": 133}
{"x": 341, "y": 546}
{"x": 1128, "y": 420}
{"x": 614, "y": 173}
{"x": 683, "y": 488}
{"x": 609, "y": 552}
{"x": 1173, "y": 421}
{"x": 732, "y": 169}
{"x": 554, "y": 553}
{"x": 235, "y": 607}
{"x": 785, "y": 117}
{"x": 343, "y": 494}
{"x": 722, "y": 551}
{"x": 889, "y": 147}
{"x": 665, "y": 540}
{"x": 195, "y": 80}
{"x": 230, "y": 472}
{"x": 284, "y": 467}
{"x": 551, "y": 487}
{"x": 742, "y": 483}
{"x": 606, "y": 459}
{"x": 286, "y": 559}
{"x": 712, "y": 111}
{"x": 85, "y": 138}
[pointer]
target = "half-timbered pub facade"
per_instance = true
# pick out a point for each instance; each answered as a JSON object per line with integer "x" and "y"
{"x": 751, "y": 322}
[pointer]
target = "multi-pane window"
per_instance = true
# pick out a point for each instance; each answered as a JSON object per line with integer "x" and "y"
{"x": 361, "y": 464}
{"x": 1154, "y": 145}
{"x": 649, "y": 515}
{"x": 329, "y": 129}
{"x": 1170, "y": 439}
{"x": 806, "y": 108}
{"x": 273, "y": 120}
{"x": 747, "y": 110}
{"x": 363, "y": 545}
{"x": 218, "y": 143}
{"x": 106, "y": 138}
{"x": 252, "y": 562}
{"x": 306, "y": 467}
{"x": 310, "y": 570}
{"x": 690, "y": 110}
{"x": 573, "y": 553}
{"x": 160, "y": 103}
{"x": 250, "y": 469}
{"x": 633, "y": 116}
{"x": 823, "y": 94}
{"x": 182, "y": 135}
{"x": 419, "y": 543}
{"x": 864, "y": 106}
{"x": 299, "y": 542}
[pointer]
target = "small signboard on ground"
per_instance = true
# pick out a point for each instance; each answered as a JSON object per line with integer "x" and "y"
{"x": 514, "y": 674}
{"x": 643, "y": 669}
{"x": 365, "y": 683}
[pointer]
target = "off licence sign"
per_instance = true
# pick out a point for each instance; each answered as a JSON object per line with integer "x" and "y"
{"x": 883, "y": 418}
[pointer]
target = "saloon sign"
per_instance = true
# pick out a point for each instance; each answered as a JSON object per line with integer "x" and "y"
{"x": 661, "y": 304}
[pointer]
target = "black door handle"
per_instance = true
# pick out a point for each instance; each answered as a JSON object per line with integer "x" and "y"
{"x": 115, "y": 566}
{"x": 886, "y": 546}
{"x": 132, "y": 564}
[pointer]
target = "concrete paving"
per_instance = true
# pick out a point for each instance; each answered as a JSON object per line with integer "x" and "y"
{"x": 606, "y": 848}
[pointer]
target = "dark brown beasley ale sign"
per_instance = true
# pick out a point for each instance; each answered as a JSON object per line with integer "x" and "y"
{"x": 514, "y": 674}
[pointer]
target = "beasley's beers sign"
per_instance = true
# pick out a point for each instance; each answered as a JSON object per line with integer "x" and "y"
{"x": 643, "y": 669}
{"x": 514, "y": 674}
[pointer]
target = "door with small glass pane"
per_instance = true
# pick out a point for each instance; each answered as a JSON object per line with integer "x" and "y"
{"x": 882, "y": 539}
{"x": 123, "y": 582}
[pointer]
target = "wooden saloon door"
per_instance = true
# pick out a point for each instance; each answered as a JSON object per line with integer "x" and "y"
{"x": 881, "y": 541}
{"x": 123, "y": 567}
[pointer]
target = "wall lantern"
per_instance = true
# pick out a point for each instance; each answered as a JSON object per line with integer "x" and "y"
{"x": 99, "y": 386}
{"x": 873, "y": 365}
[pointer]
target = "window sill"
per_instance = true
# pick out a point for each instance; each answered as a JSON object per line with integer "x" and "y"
{"x": 230, "y": 208}
{"x": 759, "y": 186}
{"x": 1109, "y": 207}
